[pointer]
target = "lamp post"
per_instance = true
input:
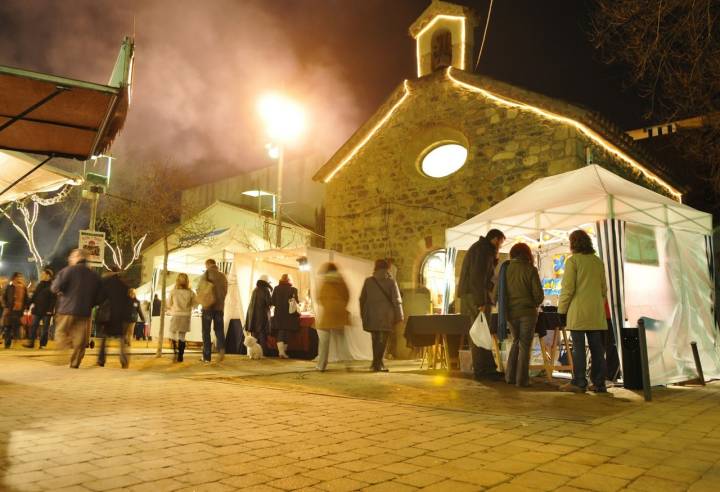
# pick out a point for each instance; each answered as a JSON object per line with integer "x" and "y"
{"x": 284, "y": 122}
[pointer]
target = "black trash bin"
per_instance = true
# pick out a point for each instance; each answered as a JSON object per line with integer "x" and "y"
{"x": 632, "y": 365}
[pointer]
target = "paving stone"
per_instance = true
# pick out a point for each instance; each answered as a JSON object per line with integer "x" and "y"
{"x": 599, "y": 483}
{"x": 540, "y": 480}
{"x": 293, "y": 483}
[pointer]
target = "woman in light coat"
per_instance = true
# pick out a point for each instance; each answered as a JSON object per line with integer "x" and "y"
{"x": 332, "y": 316}
{"x": 181, "y": 301}
{"x": 381, "y": 309}
{"x": 583, "y": 300}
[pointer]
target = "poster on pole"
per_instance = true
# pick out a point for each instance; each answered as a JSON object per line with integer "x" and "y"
{"x": 93, "y": 243}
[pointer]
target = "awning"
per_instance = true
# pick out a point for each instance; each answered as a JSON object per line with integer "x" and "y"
{"x": 14, "y": 165}
{"x": 60, "y": 117}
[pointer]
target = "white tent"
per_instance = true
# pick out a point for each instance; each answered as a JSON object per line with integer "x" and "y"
{"x": 249, "y": 266}
{"x": 676, "y": 288}
{"x": 15, "y": 165}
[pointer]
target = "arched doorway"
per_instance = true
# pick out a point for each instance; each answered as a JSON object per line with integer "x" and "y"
{"x": 433, "y": 276}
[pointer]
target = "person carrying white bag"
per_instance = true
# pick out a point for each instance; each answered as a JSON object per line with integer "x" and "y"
{"x": 475, "y": 292}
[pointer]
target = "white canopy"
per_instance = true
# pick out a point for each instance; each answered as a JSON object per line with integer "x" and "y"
{"x": 47, "y": 178}
{"x": 578, "y": 197}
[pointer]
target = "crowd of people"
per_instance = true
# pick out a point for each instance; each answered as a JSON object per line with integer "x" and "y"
{"x": 519, "y": 296}
{"x": 78, "y": 296}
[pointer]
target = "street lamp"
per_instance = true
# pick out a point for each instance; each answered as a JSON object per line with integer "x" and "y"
{"x": 284, "y": 122}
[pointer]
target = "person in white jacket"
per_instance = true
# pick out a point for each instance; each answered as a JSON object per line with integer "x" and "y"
{"x": 181, "y": 302}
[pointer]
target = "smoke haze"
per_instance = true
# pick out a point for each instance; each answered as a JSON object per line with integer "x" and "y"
{"x": 200, "y": 67}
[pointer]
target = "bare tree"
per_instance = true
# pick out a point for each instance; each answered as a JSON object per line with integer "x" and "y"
{"x": 672, "y": 49}
{"x": 153, "y": 208}
{"x": 24, "y": 214}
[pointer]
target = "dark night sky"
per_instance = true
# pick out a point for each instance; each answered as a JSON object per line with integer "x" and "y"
{"x": 201, "y": 65}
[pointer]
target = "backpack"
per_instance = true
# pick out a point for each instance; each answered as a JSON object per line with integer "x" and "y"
{"x": 205, "y": 292}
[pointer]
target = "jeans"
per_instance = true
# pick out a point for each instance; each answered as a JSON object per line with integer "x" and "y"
{"x": 522, "y": 329}
{"x": 124, "y": 361}
{"x": 598, "y": 368}
{"x": 214, "y": 318}
{"x": 43, "y": 332}
{"x": 324, "y": 338}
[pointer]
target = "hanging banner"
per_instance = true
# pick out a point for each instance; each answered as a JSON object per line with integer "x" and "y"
{"x": 93, "y": 243}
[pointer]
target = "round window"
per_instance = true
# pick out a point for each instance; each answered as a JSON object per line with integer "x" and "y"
{"x": 444, "y": 160}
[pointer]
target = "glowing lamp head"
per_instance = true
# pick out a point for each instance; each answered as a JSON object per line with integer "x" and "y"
{"x": 283, "y": 118}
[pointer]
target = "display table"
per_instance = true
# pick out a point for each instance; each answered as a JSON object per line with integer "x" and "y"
{"x": 303, "y": 344}
{"x": 437, "y": 332}
{"x": 433, "y": 332}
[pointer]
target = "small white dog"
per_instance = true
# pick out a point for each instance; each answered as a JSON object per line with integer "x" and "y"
{"x": 254, "y": 350}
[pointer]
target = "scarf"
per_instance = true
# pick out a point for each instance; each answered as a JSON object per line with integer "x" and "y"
{"x": 502, "y": 302}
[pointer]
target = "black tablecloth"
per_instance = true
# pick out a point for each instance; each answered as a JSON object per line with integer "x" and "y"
{"x": 420, "y": 331}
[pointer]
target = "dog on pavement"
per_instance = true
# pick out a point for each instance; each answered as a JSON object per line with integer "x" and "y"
{"x": 254, "y": 350}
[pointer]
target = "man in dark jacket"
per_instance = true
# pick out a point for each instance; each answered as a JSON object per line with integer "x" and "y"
{"x": 43, "y": 304}
{"x": 475, "y": 292}
{"x": 213, "y": 315}
{"x": 115, "y": 301}
{"x": 77, "y": 288}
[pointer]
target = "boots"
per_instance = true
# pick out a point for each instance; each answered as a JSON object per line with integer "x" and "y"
{"x": 281, "y": 350}
{"x": 180, "y": 350}
{"x": 175, "y": 350}
{"x": 379, "y": 340}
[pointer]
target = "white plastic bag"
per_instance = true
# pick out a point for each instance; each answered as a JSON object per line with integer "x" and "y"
{"x": 292, "y": 306}
{"x": 480, "y": 332}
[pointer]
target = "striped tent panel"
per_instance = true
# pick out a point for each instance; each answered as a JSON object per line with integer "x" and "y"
{"x": 710, "y": 252}
{"x": 611, "y": 246}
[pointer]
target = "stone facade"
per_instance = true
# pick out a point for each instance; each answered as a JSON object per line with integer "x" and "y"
{"x": 381, "y": 205}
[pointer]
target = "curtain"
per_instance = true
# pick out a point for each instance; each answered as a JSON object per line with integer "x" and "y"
{"x": 611, "y": 246}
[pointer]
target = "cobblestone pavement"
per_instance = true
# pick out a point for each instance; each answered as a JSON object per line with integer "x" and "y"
{"x": 276, "y": 425}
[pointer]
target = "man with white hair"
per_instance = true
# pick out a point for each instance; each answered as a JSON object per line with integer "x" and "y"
{"x": 77, "y": 288}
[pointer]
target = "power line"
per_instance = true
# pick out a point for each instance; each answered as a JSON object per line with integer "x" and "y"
{"x": 482, "y": 43}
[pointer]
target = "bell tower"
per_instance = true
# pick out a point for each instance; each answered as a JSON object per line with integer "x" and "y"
{"x": 443, "y": 36}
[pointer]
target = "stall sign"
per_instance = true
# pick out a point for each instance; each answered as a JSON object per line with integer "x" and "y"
{"x": 93, "y": 243}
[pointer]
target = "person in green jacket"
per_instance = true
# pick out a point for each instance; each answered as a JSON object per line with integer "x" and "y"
{"x": 523, "y": 294}
{"x": 583, "y": 300}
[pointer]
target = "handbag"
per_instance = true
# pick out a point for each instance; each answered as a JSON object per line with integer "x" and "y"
{"x": 480, "y": 332}
{"x": 292, "y": 306}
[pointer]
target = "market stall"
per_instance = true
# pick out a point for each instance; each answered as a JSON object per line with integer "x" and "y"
{"x": 657, "y": 254}
{"x": 303, "y": 264}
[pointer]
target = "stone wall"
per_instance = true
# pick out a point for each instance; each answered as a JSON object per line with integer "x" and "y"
{"x": 381, "y": 205}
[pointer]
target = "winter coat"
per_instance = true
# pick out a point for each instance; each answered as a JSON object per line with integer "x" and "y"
{"x": 583, "y": 293}
{"x": 43, "y": 300}
{"x": 283, "y": 320}
{"x": 523, "y": 290}
{"x": 116, "y": 292}
{"x": 77, "y": 288}
{"x": 220, "y": 288}
{"x": 477, "y": 271}
{"x": 380, "y": 302}
{"x": 332, "y": 301}
{"x": 181, "y": 302}
{"x": 9, "y": 298}
{"x": 257, "y": 320}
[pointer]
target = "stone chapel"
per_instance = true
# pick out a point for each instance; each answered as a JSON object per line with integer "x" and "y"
{"x": 449, "y": 143}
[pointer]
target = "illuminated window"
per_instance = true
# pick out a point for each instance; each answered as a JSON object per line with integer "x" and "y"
{"x": 443, "y": 160}
{"x": 433, "y": 277}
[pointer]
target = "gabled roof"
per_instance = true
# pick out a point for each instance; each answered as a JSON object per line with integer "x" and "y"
{"x": 589, "y": 123}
